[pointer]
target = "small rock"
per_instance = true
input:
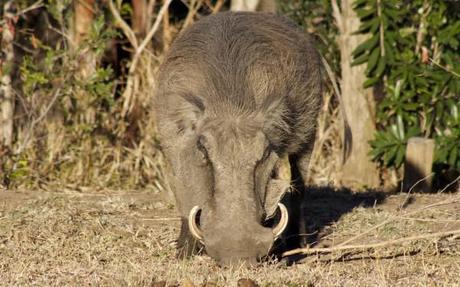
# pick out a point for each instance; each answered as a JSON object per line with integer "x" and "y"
{"x": 209, "y": 284}
{"x": 246, "y": 283}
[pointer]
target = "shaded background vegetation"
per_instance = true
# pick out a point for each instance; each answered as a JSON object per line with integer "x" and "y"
{"x": 82, "y": 85}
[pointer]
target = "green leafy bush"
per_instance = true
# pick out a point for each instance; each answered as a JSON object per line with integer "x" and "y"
{"x": 412, "y": 58}
{"x": 413, "y": 52}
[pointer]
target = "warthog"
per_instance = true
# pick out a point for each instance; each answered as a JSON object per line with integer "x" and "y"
{"x": 237, "y": 95}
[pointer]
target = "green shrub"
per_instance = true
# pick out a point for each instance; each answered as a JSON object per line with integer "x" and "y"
{"x": 412, "y": 55}
{"x": 414, "y": 51}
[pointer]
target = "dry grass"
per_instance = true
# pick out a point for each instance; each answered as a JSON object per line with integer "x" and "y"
{"x": 128, "y": 239}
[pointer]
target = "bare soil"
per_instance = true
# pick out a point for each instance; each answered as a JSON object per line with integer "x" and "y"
{"x": 127, "y": 238}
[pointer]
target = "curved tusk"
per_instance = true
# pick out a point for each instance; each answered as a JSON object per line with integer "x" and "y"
{"x": 283, "y": 221}
{"x": 194, "y": 229}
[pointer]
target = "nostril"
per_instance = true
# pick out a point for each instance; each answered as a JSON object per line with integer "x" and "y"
{"x": 269, "y": 222}
{"x": 272, "y": 220}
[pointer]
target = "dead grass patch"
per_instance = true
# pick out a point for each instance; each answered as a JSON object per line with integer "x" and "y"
{"x": 128, "y": 239}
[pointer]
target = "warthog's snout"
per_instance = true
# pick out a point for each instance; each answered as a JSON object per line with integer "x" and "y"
{"x": 238, "y": 250}
{"x": 233, "y": 242}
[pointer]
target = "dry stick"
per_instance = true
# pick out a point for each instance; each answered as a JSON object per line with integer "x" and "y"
{"x": 6, "y": 83}
{"x": 372, "y": 246}
{"x": 337, "y": 15}
{"x": 190, "y": 14}
{"x": 162, "y": 219}
{"x": 430, "y": 219}
{"x": 218, "y": 6}
{"x": 444, "y": 68}
{"x": 36, "y": 121}
{"x": 129, "y": 33}
{"x": 166, "y": 32}
{"x": 127, "y": 94}
{"x": 450, "y": 184}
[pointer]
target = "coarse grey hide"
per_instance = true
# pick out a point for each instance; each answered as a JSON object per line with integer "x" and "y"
{"x": 238, "y": 93}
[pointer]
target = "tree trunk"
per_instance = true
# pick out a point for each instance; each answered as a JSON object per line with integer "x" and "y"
{"x": 139, "y": 20}
{"x": 418, "y": 165}
{"x": 6, "y": 67}
{"x": 83, "y": 18}
{"x": 358, "y": 170}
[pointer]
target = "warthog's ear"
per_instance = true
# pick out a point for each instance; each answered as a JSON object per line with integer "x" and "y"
{"x": 188, "y": 112}
{"x": 276, "y": 122}
{"x": 278, "y": 185}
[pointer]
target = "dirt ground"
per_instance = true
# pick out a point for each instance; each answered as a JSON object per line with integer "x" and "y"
{"x": 127, "y": 238}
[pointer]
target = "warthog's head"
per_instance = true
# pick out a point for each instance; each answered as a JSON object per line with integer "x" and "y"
{"x": 247, "y": 180}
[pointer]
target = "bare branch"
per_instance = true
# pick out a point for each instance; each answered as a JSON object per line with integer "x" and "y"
{"x": 129, "y": 33}
{"x": 36, "y": 121}
{"x": 218, "y": 6}
{"x": 337, "y": 15}
{"x": 6, "y": 88}
{"x": 127, "y": 94}
{"x": 193, "y": 9}
{"x": 444, "y": 68}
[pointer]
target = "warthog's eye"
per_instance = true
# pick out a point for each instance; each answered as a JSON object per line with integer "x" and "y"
{"x": 201, "y": 147}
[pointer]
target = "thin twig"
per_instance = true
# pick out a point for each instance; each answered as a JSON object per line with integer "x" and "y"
{"x": 337, "y": 15}
{"x": 129, "y": 33}
{"x": 162, "y": 219}
{"x": 444, "y": 68}
{"x": 193, "y": 9}
{"x": 371, "y": 246}
{"x": 37, "y": 120}
{"x": 381, "y": 29}
{"x": 151, "y": 33}
{"x": 430, "y": 219}
{"x": 450, "y": 184}
{"x": 218, "y": 6}
{"x": 129, "y": 90}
